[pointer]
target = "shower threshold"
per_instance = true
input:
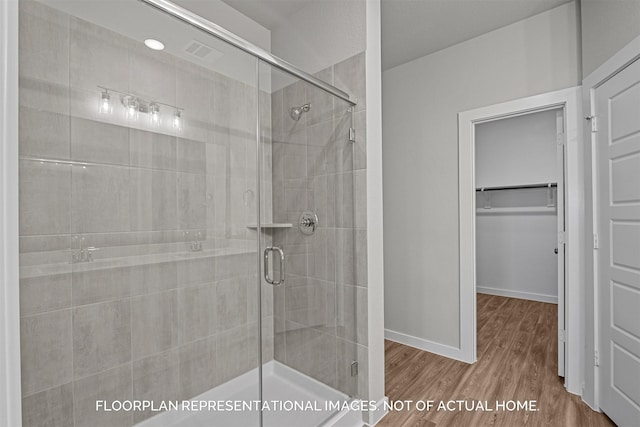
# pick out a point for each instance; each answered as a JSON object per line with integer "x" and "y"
{"x": 280, "y": 384}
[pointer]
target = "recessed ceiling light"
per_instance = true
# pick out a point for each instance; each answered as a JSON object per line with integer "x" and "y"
{"x": 154, "y": 44}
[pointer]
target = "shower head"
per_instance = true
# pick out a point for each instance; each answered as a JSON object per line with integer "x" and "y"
{"x": 296, "y": 112}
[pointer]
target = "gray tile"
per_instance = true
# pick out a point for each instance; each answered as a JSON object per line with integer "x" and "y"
{"x": 293, "y": 95}
{"x": 153, "y": 277}
{"x": 46, "y": 243}
{"x": 191, "y": 156}
{"x": 321, "y": 260}
{"x": 360, "y": 149}
{"x": 197, "y": 367}
{"x": 100, "y": 201}
{"x": 98, "y": 57}
{"x": 349, "y": 75}
{"x": 266, "y": 294}
{"x": 46, "y": 354}
{"x": 191, "y": 189}
{"x": 347, "y": 353}
{"x": 99, "y": 142}
{"x": 152, "y": 74}
{"x": 44, "y": 43}
{"x": 108, "y": 386}
{"x": 194, "y": 93}
{"x": 45, "y": 96}
{"x": 45, "y": 198}
{"x": 360, "y": 198}
{"x": 320, "y": 100}
{"x": 228, "y": 266}
{"x": 361, "y": 278}
{"x": 231, "y": 299}
{"x": 352, "y": 313}
{"x": 154, "y": 321}
{"x": 345, "y": 212}
{"x": 156, "y": 378}
{"x": 196, "y": 271}
{"x": 152, "y": 150}
{"x": 98, "y": 285}
{"x": 311, "y": 352}
{"x": 153, "y": 200}
{"x": 267, "y": 344}
{"x": 45, "y": 293}
{"x": 196, "y": 312}
{"x": 101, "y": 337}
{"x": 43, "y": 134}
{"x": 276, "y": 115}
{"x": 52, "y": 407}
{"x": 295, "y": 161}
{"x": 232, "y": 349}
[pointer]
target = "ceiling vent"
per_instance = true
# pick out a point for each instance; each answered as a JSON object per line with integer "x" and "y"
{"x": 200, "y": 50}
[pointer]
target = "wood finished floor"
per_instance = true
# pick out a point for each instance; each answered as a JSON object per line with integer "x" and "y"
{"x": 517, "y": 360}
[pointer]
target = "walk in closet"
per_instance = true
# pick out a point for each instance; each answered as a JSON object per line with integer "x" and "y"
{"x": 519, "y": 175}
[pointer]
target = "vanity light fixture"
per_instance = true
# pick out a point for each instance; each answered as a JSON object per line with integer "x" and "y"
{"x": 177, "y": 119}
{"x": 134, "y": 105}
{"x": 105, "y": 105}
{"x": 154, "y": 44}
{"x": 154, "y": 113}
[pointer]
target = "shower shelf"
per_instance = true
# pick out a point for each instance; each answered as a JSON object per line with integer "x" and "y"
{"x": 270, "y": 225}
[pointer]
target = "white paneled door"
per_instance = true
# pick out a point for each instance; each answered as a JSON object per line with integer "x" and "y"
{"x": 617, "y": 105}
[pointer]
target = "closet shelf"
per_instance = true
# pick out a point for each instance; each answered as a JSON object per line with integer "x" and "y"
{"x": 518, "y": 187}
{"x": 525, "y": 209}
{"x": 270, "y": 225}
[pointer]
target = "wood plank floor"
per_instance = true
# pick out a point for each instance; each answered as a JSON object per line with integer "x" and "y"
{"x": 517, "y": 360}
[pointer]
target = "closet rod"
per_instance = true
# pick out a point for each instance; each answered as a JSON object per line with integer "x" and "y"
{"x": 518, "y": 187}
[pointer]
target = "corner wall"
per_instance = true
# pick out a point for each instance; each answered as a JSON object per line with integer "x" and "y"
{"x": 421, "y": 100}
{"x": 599, "y": 19}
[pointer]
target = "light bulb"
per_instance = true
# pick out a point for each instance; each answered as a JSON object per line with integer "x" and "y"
{"x": 105, "y": 106}
{"x": 154, "y": 114}
{"x": 177, "y": 120}
{"x": 132, "y": 108}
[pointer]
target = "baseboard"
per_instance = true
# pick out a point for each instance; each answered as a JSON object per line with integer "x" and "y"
{"x": 426, "y": 345}
{"x": 376, "y": 415}
{"x": 517, "y": 294}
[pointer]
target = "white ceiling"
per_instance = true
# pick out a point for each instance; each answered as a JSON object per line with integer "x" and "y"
{"x": 268, "y": 13}
{"x": 415, "y": 28}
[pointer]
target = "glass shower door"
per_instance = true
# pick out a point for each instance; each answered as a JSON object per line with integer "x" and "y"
{"x": 138, "y": 191}
{"x": 307, "y": 241}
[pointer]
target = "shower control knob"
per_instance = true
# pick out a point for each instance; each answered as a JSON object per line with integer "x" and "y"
{"x": 308, "y": 222}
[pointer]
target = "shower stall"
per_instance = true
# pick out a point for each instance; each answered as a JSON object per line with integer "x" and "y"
{"x": 188, "y": 224}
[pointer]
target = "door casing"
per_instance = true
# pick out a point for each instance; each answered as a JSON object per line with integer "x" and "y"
{"x": 569, "y": 100}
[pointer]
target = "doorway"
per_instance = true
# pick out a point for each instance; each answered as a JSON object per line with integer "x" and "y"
{"x": 519, "y": 233}
{"x": 551, "y": 193}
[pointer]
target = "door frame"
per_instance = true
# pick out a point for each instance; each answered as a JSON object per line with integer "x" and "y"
{"x": 10, "y": 392}
{"x": 570, "y": 100}
{"x": 612, "y": 66}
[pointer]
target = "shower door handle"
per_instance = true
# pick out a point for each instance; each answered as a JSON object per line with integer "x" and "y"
{"x": 266, "y": 266}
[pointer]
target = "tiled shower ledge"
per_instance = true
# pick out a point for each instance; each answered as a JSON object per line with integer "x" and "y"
{"x": 40, "y": 270}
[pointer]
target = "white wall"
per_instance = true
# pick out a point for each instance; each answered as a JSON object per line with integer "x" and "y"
{"x": 607, "y": 26}
{"x": 322, "y": 34}
{"x": 421, "y": 100}
{"x": 514, "y": 250}
{"x": 517, "y": 151}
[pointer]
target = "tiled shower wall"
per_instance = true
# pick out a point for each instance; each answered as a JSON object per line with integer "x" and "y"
{"x": 148, "y": 319}
{"x": 320, "y": 313}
